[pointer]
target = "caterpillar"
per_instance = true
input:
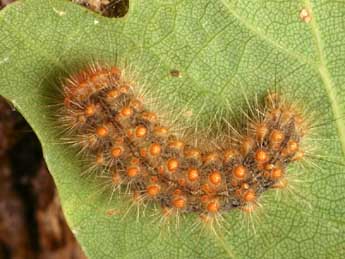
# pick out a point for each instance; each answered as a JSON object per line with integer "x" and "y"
{"x": 107, "y": 119}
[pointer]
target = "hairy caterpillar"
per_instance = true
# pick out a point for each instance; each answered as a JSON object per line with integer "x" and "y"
{"x": 106, "y": 117}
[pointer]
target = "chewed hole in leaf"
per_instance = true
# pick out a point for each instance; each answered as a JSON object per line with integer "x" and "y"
{"x": 107, "y": 8}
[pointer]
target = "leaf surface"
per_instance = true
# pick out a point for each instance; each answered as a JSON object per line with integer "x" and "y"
{"x": 223, "y": 48}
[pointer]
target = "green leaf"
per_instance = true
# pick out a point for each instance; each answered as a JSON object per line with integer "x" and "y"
{"x": 223, "y": 48}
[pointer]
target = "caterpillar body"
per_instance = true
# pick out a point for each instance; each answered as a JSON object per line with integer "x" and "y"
{"x": 109, "y": 121}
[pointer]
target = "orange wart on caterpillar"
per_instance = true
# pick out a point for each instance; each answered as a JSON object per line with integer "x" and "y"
{"x": 107, "y": 118}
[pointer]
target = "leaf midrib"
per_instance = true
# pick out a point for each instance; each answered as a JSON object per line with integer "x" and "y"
{"x": 326, "y": 78}
{"x": 320, "y": 66}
